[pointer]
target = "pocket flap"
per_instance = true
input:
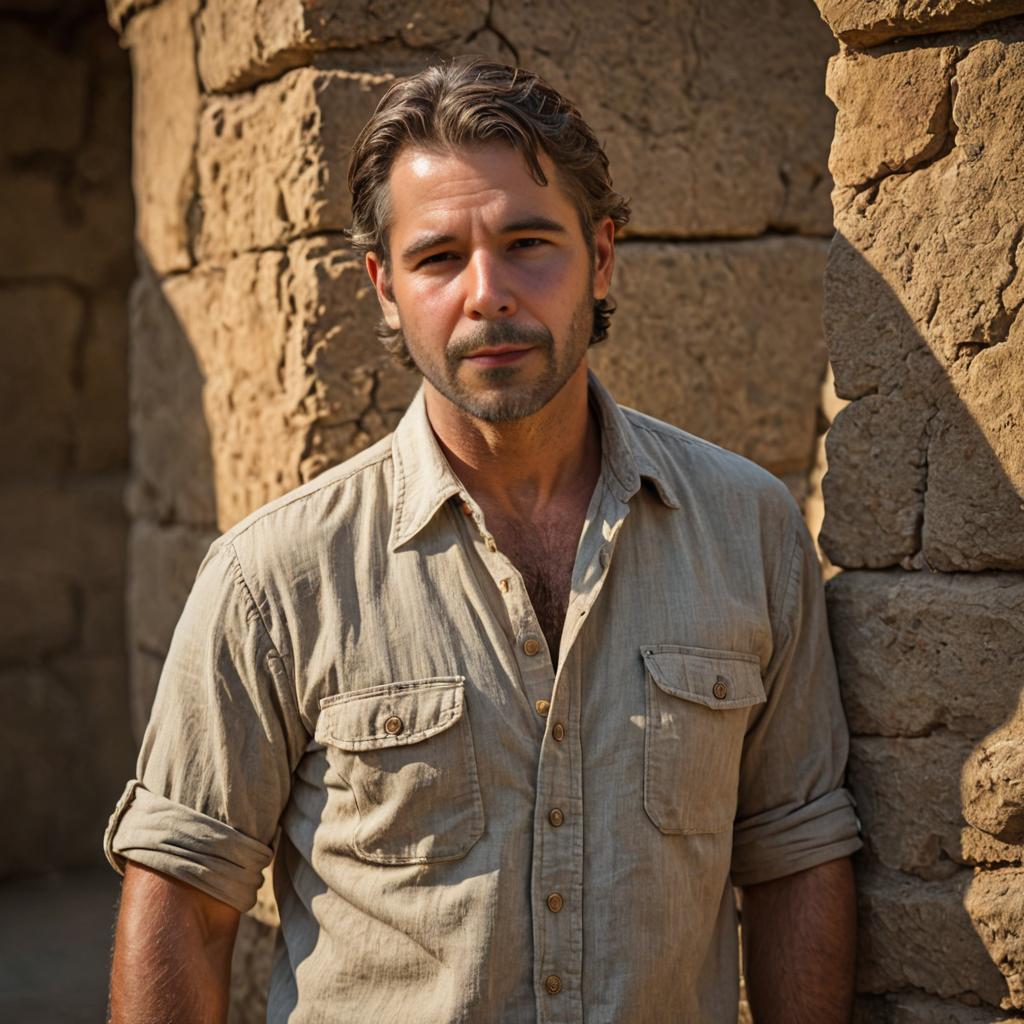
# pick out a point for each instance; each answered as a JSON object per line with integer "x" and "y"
{"x": 716, "y": 679}
{"x": 392, "y": 715}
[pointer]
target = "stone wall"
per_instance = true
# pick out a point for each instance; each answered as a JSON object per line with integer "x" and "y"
{"x": 925, "y": 492}
{"x": 65, "y": 267}
{"x": 255, "y": 364}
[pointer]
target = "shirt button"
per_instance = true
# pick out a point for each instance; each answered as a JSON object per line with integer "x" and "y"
{"x": 553, "y": 984}
{"x": 558, "y": 731}
{"x": 466, "y": 510}
{"x": 555, "y": 902}
{"x": 503, "y": 586}
{"x": 543, "y": 707}
{"x": 393, "y": 726}
{"x": 531, "y": 646}
{"x": 556, "y": 817}
{"x": 721, "y": 688}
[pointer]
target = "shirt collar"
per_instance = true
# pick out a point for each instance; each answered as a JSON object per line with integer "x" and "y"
{"x": 424, "y": 480}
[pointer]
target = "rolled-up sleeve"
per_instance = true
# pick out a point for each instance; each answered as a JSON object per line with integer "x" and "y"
{"x": 793, "y": 811}
{"x": 214, "y": 771}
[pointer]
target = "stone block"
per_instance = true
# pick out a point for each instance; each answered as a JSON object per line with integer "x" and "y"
{"x": 52, "y": 718}
{"x": 42, "y": 323}
{"x": 995, "y": 901}
{"x": 37, "y": 618}
{"x": 242, "y": 43}
{"x": 993, "y": 783}
{"x": 918, "y": 651}
{"x": 908, "y": 1008}
{"x": 908, "y": 800}
{"x": 294, "y": 373}
{"x": 272, "y": 162}
{"x": 917, "y": 935}
{"x": 43, "y": 94}
{"x": 172, "y": 480}
{"x": 922, "y": 301}
{"x": 165, "y": 127}
{"x": 870, "y": 143}
{"x": 713, "y": 116}
{"x": 864, "y": 23}
{"x": 164, "y": 561}
{"x": 101, "y": 400}
{"x": 102, "y": 619}
{"x": 724, "y": 340}
{"x": 71, "y": 533}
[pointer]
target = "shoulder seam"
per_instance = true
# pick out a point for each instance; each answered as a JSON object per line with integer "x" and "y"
{"x": 240, "y": 531}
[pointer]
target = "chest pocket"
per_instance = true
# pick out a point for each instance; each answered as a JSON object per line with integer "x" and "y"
{"x": 698, "y": 705}
{"x": 405, "y": 751}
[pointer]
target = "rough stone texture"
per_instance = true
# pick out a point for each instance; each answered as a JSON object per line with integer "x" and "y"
{"x": 732, "y": 320}
{"x": 995, "y": 902}
{"x": 919, "y": 1009}
{"x": 242, "y": 43}
{"x": 272, "y": 163}
{"x": 993, "y": 783}
{"x": 864, "y": 23}
{"x": 917, "y": 934}
{"x": 922, "y": 297}
{"x": 977, "y": 847}
{"x": 165, "y": 125}
{"x": 908, "y": 800}
{"x": 295, "y": 378}
{"x": 901, "y": 672}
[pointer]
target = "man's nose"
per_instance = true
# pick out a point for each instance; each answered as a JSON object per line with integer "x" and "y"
{"x": 488, "y": 295}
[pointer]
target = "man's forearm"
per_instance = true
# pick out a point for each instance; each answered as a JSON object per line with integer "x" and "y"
{"x": 799, "y": 946}
{"x": 172, "y": 953}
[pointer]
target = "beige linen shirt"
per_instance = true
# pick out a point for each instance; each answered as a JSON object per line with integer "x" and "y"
{"x": 469, "y": 829}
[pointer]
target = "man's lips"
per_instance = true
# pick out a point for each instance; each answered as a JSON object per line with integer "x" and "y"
{"x": 498, "y": 355}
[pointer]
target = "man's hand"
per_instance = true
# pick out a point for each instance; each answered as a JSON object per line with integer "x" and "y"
{"x": 172, "y": 953}
{"x": 799, "y": 936}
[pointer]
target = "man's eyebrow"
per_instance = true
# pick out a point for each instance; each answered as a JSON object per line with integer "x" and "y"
{"x": 421, "y": 245}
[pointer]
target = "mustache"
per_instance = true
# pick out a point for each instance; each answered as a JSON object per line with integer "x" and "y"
{"x": 493, "y": 334}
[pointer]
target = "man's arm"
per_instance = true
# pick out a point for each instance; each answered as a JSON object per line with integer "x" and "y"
{"x": 799, "y": 937}
{"x": 172, "y": 952}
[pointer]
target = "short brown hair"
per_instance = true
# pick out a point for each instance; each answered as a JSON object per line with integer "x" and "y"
{"x": 463, "y": 102}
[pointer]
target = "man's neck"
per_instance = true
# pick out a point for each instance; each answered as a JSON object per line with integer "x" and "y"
{"x": 519, "y": 469}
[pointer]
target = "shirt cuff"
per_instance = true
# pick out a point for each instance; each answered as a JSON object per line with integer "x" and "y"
{"x": 776, "y": 844}
{"x": 187, "y": 845}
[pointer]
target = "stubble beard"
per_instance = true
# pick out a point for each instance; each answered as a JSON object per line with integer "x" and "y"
{"x": 502, "y": 397}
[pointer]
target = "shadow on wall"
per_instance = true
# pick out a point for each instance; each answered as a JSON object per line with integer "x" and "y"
{"x": 924, "y": 482}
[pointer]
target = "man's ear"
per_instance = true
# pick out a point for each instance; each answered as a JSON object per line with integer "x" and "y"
{"x": 604, "y": 257}
{"x": 382, "y": 286}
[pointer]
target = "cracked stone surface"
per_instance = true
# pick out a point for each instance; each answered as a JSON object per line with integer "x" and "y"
{"x": 993, "y": 783}
{"x": 865, "y": 23}
{"x": 922, "y": 301}
{"x": 273, "y": 163}
{"x": 916, "y": 934}
{"x": 995, "y": 901}
{"x": 915, "y": 1008}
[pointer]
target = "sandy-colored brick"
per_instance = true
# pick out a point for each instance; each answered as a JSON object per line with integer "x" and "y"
{"x": 915, "y": 934}
{"x": 242, "y": 42}
{"x": 272, "y": 163}
{"x": 919, "y": 651}
{"x": 865, "y": 23}
{"x": 732, "y": 351}
{"x": 995, "y": 901}
{"x": 165, "y": 125}
{"x": 705, "y": 142}
{"x": 923, "y": 293}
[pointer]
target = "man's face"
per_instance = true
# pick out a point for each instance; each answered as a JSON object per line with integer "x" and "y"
{"x": 491, "y": 280}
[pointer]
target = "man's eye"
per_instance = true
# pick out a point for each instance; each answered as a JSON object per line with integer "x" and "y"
{"x": 528, "y": 243}
{"x": 437, "y": 257}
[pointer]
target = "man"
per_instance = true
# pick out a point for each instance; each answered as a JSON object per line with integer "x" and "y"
{"x": 524, "y": 688}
